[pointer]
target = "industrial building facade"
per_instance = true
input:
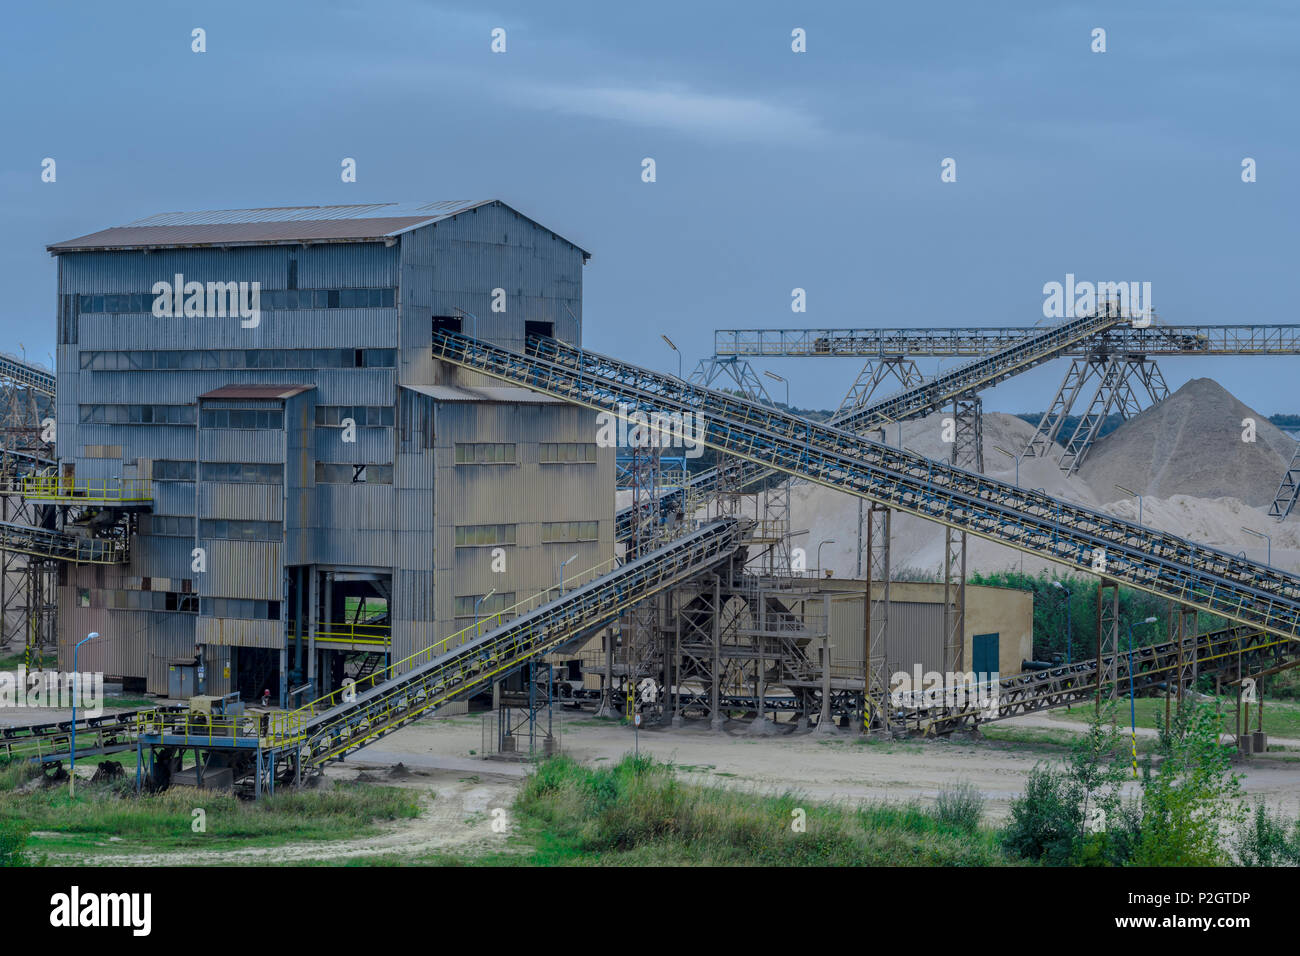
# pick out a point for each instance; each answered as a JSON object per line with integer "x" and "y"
{"x": 315, "y": 485}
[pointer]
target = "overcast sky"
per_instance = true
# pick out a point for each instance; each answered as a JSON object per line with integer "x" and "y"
{"x": 775, "y": 169}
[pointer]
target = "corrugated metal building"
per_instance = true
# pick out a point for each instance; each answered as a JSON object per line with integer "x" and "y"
{"x": 320, "y": 486}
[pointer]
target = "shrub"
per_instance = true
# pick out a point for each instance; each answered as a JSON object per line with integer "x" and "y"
{"x": 961, "y": 806}
{"x": 13, "y": 840}
{"x": 1268, "y": 839}
{"x": 1189, "y": 800}
{"x": 1046, "y": 820}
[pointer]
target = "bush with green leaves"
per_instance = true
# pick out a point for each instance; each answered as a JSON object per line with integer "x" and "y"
{"x": 1190, "y": 796}
{"x": 1268, "y": 839}
{"x": 1075, "y": 814}
{"x": 1046, "y": 820}
{"x": 1186, "y": 815}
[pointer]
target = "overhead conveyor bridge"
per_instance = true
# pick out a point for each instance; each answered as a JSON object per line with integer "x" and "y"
{"x": 61, "y": 545}
{"x": 25, "y": 373}
{"x": 1013, "y": 357}
{"x": 1033, "y": 350}
{"x": 1077, "y": 537}
{"x": 1153, "y": 339}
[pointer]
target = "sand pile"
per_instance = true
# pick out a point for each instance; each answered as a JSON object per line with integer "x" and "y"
{"x": 1185, "y": 456}
{"x": 1191, "y": 444}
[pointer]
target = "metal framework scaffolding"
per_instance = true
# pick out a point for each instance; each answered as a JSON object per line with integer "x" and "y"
{"x": 28, "y": 571}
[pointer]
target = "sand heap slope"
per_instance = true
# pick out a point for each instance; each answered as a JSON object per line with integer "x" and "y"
{"x": 1191, "y": 444}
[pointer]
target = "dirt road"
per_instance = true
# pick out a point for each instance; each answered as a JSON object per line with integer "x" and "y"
{"x": 464, "y": 789}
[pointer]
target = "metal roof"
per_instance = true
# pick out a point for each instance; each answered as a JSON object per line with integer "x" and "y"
{"x": 279, "y": 225}
{"x": 489, "y": 393}
{"x": 257, "y": 391}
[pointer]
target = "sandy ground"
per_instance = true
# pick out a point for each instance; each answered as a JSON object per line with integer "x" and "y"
{"x": 462, "y": 790}
{"x": 456, "y": 816}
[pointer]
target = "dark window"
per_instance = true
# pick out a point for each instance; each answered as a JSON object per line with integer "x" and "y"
{"x": 446, "y": 323}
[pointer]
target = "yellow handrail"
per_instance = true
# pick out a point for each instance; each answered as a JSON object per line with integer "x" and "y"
{"x": 270, "y": 729}
{"x": 57, "y": 487}
{"x": 479, "y": 627}
{"x": 380, "y": 634}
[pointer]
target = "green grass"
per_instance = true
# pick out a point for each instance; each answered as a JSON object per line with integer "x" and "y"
{"x": 114, "y": 703}
{"x": 1046, "y": 739}
{"x": 1281, "y": 718}
{"x": 638, "y": 813}
{"x": 163, "y": 822}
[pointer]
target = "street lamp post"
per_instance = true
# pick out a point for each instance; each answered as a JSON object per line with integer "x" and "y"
{"x": 1132, "y": 705}
{"x": 76, "y": 692}
{"x": 1015, "y": 458}
{"x": 819, "y": 554}
{"x": 778, "y": 378}
{"x": 1135, "y": 495}
{"x": 675, "y": 349}
{"x": 560, "y": 583}
{"x": 1260, "y": 534}
{"x": 1061, "y": 587}
{"x": 477, "y": 632}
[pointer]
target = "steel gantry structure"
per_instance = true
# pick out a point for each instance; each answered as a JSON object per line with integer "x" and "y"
{"x": 1120, "y": 361}
{"x": 28, "y": 566}
{"x": 973, "y": 342}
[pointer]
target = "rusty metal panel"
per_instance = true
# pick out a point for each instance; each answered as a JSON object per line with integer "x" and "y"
{"x": 231, "y": 632}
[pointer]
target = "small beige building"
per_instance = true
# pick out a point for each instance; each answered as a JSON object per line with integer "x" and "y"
{"x": 999, "y": 631}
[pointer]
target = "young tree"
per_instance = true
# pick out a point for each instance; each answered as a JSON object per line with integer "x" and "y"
{"x": 1189, "y": 805}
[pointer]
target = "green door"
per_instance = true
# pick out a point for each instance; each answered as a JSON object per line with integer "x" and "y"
{"x": 985, "y": 654}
